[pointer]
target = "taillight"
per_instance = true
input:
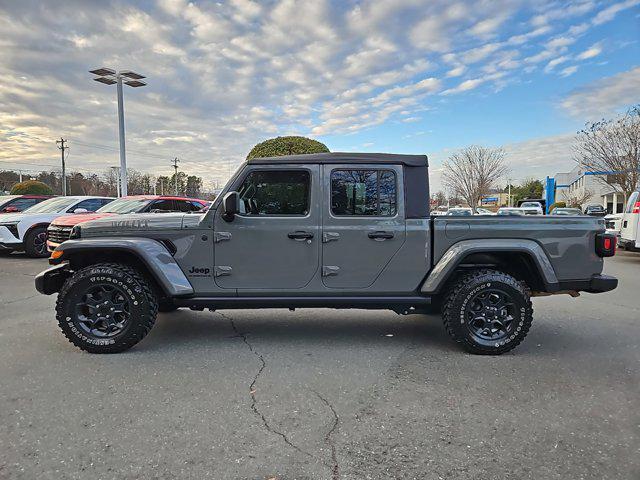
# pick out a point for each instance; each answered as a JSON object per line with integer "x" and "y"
{"x": 605, "y": 245}
{"x": 636, "y": 208}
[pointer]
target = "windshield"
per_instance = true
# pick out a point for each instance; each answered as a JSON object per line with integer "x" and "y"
{"x": 7, "y": 198}
{"x": 125, "y": 205}
{"x": 53, "y": 205}
{"x": 531, "y": 204}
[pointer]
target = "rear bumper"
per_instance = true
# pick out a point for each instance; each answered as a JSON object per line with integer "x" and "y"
{"x": 596, "y": 284}
{"x": 50, "y": 281}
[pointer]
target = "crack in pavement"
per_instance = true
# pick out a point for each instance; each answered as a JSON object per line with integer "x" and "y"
{"x": 21, "y": 299}
{"x": 252, "y": 388}
{"x": 328, "y": 438}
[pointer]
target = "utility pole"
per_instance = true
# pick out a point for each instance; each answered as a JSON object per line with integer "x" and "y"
{"x": 509, "y": 181}
{"x": 62, "y": 148}
{"x": 20, "y": 173}
{"x": 175, "y": 176}
{"x": 117, "y": 176}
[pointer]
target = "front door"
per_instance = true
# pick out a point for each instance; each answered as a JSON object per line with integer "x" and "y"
{"x": 273, "y": 243}
{"x": 363, "y": 223}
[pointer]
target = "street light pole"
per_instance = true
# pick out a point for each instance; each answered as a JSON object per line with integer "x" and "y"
{"x": 109, "y": 76}
{"x": 123, "y": 155}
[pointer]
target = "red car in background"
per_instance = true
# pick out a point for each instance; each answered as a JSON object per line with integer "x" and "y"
{"x": 60, "y": 229}
{"x": 18, "y": 203}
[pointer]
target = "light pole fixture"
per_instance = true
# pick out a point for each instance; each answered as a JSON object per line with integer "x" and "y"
{"x": 109, "y": 76}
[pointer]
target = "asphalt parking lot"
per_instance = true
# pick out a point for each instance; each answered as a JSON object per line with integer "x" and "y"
{"x": 322, "y": 394}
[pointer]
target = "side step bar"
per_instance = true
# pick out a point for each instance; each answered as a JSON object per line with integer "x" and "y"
{"x": 376, "y": 303}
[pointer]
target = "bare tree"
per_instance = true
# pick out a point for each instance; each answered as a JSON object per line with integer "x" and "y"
{"x": 472, "y": 172}
{"x": 576, "y": 199}
{"x": 612, "y": 147}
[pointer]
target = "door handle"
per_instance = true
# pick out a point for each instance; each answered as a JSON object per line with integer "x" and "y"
{"x": 300, "y": 235}
{"x": 380, "y": 235}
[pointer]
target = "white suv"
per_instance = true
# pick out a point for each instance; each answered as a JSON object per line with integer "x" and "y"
{"x": 630, "y": 224}
{"x": 531, "y": 208}
{"x": 28, "y": 230}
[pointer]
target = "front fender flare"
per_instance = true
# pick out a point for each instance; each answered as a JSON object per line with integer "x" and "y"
{"x": 445, "y": 267}
{"x": 153, "y": 254}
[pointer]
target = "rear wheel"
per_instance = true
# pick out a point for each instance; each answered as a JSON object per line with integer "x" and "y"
{"x": 488, "y": 312}
{"x": 106, "y": 308}
{"x": 35, "y": 243}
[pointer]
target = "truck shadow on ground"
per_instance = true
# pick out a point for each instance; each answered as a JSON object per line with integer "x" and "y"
{"x": 282, "y": 327}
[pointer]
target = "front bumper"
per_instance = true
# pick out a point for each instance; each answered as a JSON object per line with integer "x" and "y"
{"x": 596, "y": 284}
{"x": 8, "y": 240}
{"x": 50, "y": 281}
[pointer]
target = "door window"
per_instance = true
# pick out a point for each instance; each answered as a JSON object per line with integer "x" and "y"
{"x": 363, "y": 192}
{"x": 275, "y": 192}
{"x": 90, "y": 205}
{"x": 164, "y": 205}
{"x": 188, "y": 206}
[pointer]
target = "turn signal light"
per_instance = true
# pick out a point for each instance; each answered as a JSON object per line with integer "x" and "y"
{"x": 605, "y": 245}
{"x": 56, "y": 254}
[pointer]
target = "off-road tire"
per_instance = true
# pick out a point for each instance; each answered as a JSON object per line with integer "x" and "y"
{"x": 466, "y": 288}
{"x": 31, "y": 248}
{"x": 142, "y": 303}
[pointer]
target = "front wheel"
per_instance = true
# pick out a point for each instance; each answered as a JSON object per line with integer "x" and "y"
{"x": 106, "y": 308}
{"x": 35, "y": 243}
{"x": 488, "y": 312}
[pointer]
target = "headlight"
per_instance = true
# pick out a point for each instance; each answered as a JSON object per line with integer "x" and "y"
{"x": 76, "y": 232}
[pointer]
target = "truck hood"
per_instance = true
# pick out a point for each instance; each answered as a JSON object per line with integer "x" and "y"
{"x": 71, "y": 220}
{"x": 130, "y": 224}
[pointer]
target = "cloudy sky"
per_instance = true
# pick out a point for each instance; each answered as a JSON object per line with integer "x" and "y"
{"x": 402, "y": 76}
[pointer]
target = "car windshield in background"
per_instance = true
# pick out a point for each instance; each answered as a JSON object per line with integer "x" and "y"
{"x": 566, "y": 211}
{"x": 531, "y": 204}
{"x": 125, "y": 205}
{"x": 510, "y": 211}
{"x": 7, "y": 199}
{"x": 53, "y": 205}
{"x": 459, "y": 211}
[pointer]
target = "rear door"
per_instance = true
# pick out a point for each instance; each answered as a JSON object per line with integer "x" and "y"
{"x": 273, "y": 243}
{"x": 363, "y": 223}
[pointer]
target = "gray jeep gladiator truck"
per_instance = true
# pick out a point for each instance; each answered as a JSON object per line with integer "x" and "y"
{"x": 336, "y": 230}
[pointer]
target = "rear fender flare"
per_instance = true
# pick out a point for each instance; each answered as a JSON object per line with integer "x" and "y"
{"x": 455, "y": 255}
{"x": 154, "y": 255}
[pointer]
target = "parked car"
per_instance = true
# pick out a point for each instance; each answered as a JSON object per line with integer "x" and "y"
{"x": 595, "y": 210}
{"x": 18, "y": 203}
{"x": 60, "y": 228}
{"x": 629, "y": 227}
{"x": 565, "y": 211}
{"x": 613, "y": 223}
{"x": 483, "y": 211}
{"x": 28, "y": 230}
{"x": 531, "y": 208}
{"x": 336, "y": 230}
{"x": 441, "y": 210}
{"x": 510, "y": 211}
{"x": 460, "y": 211}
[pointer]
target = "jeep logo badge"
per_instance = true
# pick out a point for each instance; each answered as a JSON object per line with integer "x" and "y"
{"x": 195, "y": 271}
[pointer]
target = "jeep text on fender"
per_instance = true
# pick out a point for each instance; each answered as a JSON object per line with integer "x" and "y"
{"x": 336, "y": 230}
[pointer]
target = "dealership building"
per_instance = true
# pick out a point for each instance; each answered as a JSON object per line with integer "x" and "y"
{"x": 582, "y": 184}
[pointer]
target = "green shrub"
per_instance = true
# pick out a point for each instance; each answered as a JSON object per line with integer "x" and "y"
{"x": 557, "y": 205}
{"x": 31, "y": 187}
{"x": 278, "y": 146}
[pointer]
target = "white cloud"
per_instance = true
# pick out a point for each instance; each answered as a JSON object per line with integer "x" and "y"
{"x": 604, "y": 97}
{"x": 591, "y": 52}
{"x": 465, "y": 86}
{"x": 565, "y": 72}
{"x": 610, "y": 12}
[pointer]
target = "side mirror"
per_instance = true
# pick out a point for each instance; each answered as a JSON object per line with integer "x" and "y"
{"x": 81, "y": 210}
{"x": 230, "y": 206}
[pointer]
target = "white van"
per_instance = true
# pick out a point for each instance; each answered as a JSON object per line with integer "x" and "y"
{"x": 629, "y": 230}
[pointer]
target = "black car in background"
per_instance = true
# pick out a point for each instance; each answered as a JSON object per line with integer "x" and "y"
{"x": 595, "y": 210}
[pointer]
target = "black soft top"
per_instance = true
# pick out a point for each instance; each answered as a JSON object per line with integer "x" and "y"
{"x": 345, "y": 157}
